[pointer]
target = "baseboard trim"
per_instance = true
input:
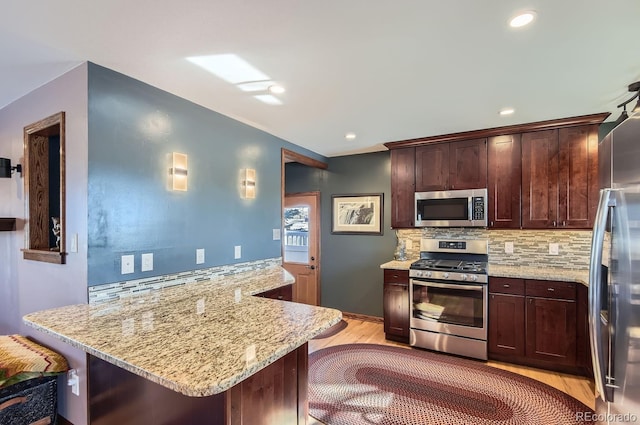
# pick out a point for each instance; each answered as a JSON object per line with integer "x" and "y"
{"x": 364, "y": 317}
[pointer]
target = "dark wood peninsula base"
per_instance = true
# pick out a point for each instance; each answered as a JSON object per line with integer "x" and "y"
{"x": 274, "y": 395}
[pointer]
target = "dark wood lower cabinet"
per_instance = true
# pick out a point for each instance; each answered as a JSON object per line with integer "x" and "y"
{"x": 506, "y": 330}
{"x": 396, "y": 305}
{"x": 284, "y": 293}
{"x": 274, "y": 395}
{"x": 551, "y": 330}
{"x": 539, "y": 323}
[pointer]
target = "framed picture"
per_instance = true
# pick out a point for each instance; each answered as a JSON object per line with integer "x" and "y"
{"x": 359, "y": 214}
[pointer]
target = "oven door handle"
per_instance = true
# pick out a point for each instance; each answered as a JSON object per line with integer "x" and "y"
{"x": 449, "y": 286}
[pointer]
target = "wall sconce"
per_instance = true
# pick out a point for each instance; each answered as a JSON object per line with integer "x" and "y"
{"x": 6, "y": 169}
{"x": 249, "y": 183}
{"x": 178, "y": 171}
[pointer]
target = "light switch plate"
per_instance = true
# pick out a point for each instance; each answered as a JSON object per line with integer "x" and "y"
{"x": 147, "y": 262}
{"x": 237, "y": 252}
{"x": 508, "y": 247}
{"x": 408, "y": 244}
{"x": 199, "y": 255}
{"x": 276, "y": 234}
{"x": 74, "y": 243}
{"x": 554, "y": 249}
{"x": 126, "y": 264}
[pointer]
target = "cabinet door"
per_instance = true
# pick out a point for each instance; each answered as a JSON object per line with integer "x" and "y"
{"x": 432, "y": 167}
{"x": 504, "y": 178}
{"x": 506, "y": 325}
{"x": 402, "y": 187}
{"x": 578, "y": 176}
{"x": 540, "y": 179}
{"x": 396, "y": 305}
{"x": 468, "y": 164}
{"x": 551, "y": 330}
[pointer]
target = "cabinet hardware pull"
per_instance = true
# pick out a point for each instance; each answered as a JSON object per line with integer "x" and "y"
{"x": 492, "y": 224}
{"x": 554, "y": 224}
{"x": 550, "y": 289}
{"x": 564, "y": 223}
{"x": 506, "y": 285}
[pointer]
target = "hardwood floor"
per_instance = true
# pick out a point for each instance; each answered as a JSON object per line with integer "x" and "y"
{"x": 360, "y": 331}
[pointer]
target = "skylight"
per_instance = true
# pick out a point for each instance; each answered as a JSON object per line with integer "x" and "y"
{"x": 230, "y": 67}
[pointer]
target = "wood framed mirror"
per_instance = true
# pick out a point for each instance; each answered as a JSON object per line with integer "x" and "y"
{"x": 44, "y": 188}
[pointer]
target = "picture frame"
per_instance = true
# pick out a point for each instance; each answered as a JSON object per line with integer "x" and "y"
{"x": 357, "y": 214}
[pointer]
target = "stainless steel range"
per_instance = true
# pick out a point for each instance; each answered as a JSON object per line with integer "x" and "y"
{"x": 449, "y": 297}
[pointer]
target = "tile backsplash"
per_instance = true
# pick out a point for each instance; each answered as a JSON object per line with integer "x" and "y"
{"x": 530, "y": 247}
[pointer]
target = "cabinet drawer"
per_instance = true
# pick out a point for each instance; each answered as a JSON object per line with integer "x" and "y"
{"x": 506, "y": 285}
{"x": 551, "y": 289}
{"x": 396, "y": 276}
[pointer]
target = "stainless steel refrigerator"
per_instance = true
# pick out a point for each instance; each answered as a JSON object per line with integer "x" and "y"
{"x": 614, "y": 278}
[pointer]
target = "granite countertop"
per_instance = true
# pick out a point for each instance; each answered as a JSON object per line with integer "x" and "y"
{"x": 541, "y": 273}
{"x": 198, "y": 339}
{"x": 526, "y": 272}
{"x": 397, "y": 264}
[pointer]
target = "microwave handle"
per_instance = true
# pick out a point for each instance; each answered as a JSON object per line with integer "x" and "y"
{"x": 470, "y": 204}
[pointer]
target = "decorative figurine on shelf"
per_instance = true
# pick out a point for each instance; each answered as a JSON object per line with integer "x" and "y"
{"x": 56, "y": 232}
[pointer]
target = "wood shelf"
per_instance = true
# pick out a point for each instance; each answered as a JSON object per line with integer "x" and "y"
{"x": 7, "y": 224}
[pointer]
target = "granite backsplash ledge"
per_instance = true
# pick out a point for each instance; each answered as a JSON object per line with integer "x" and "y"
{"x": 530, "y": 247}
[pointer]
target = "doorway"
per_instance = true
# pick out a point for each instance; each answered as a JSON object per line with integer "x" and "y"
{"x": 301, "y": 234}
{"x": 301, "y": 245}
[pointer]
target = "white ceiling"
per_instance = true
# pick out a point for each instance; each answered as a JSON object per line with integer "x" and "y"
{"x": 386, "y": 70}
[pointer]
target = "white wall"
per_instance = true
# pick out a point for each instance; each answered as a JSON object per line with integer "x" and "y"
{"x": 27, "y": 286}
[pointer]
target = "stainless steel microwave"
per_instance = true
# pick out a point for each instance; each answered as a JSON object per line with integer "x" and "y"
{"x": 451, "y": 208}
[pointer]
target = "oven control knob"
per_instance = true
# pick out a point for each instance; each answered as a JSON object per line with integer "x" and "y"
{"x": 463, "y": 277}
{"x": 445, "y": 275}
{"x": 474, "y": 277}
{"x": 427, "y": 274}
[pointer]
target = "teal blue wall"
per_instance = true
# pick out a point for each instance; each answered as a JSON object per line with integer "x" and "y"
{"x": 133, "y": 128}
{"x": 351, "y": 278}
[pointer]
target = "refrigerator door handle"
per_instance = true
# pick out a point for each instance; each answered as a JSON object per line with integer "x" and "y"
{"x": 595, "y": 290}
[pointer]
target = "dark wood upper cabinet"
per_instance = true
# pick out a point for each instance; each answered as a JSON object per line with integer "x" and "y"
{"x": 540, "y": 179}
{"x": 539, "y": 175}
{"x": 432, "y": 167}
{"x": 560, "y": 178}
{"x": 578, "y": 176}
{"x": 468, "y": 164}
{"x": 452, "y": 166}
{"x": 504, "y": 181}
{"x": 402, "y": 187}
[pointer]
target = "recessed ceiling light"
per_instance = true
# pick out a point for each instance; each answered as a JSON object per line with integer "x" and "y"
{"x": 268, "y": 99}
{"x": 276, "y": 89}
{"x": 522, "y": 19}
{"x": 350, "y": 135}
{"x": 507, "y": 111}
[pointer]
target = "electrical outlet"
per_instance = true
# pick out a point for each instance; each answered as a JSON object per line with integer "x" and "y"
{"x": 408, "y": 244}
{"x": 147, "y": 262}
{"x": 508, "y": 247}
{"x": 199, "y": 255}
{"x": 126, "y": 264}
{"x": 237, "y": 252}
{"x": 73, "y": 380}
{"x": 554, "y": 249}
{"x": 276, "y": 234}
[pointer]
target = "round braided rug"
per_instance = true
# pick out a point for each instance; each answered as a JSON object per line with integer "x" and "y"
{"x": 357, "y": 384}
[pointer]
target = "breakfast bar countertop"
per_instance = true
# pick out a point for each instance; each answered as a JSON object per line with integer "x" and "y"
{"x": 197, "y": 339}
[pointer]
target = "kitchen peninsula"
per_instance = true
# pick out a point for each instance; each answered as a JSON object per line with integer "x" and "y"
{"x": 206, "y": 352}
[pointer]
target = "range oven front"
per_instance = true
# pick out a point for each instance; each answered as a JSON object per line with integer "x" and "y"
{"x": 448, "y": 298}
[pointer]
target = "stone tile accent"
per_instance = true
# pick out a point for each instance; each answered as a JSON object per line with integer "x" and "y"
{"x": 127, "y": 288}
{"x": 531, "y": 247}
